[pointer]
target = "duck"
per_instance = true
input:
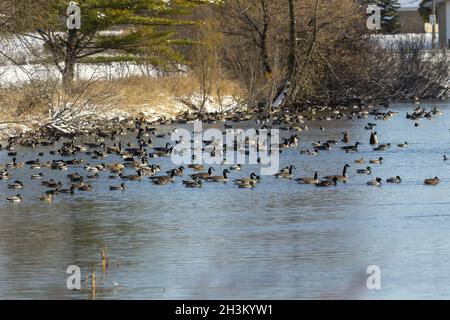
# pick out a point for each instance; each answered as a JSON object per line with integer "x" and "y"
{"x": 223, "y": 178}
{"x": 403, "y": 145}
{"x": 367, "y": 170}
{"x": 432, "y": 181}
{"x": 203, "y": 175}
{"x": 375, "y": 182}
{"x": 360, "y": 161}
{"x": 118, "y": 188}
{"x": 135, "y": 177}
{"x": 69, "y": 191}
{"x": 382, "y": 147}
{"x": 163, "y": 180}
{"x": 340, "y": 178}
{"x": 38, "y": 176}
{"x": 16, "y": 185}
{"x": 327, "y": 183}
{"x": 196, "y": 183}
{"x": 376, "y": 161}
{"x": 351, "y": 148}
{"x": 15, "y": 199}
{"x": 247, "y": 185}
{"x": 253, "y": 177}
{"x": 346, "y": 138}
{"x": 46, "y": 198}
{"x": 85, "y": 187}
{"x": 286, "y": 174}
{"x": 196, "y": 167}
{"x": 236, "y": 167}
{"x": 52, "y": 184}
{"x": 445, "y": 158}
{"x": 309, "y": 180}
{"x": 396, "y": 179}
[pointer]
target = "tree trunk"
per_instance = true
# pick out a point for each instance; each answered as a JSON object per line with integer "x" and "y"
{"x": 70, "y": 59}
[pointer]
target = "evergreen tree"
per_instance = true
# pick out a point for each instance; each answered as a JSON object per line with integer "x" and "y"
{"x": 389, "y": 14}
{"x": 148, "y": 26}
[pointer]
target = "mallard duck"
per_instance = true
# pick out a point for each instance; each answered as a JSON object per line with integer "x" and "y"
{"x": 16, "y": 185}
{"x": 70, "y": 191}
{"x": 403, "y": 145}
{"x": 360, "y": 161}
{"x": 340, "y": 178}
{"x": 367, "y": 170}
{"x": 309, "y": 180}
{"x": 38, "y": 176}
{"x": 85, "y": 187}
{"x": 396, "y": 179}
{"x": 46, "y": 198}
{"x": 432, "y": 181}
{"x": 351, "y": 148}
{"x": 222, "y": 178}
{"x": 376, "y": 161}
{"x": 17, "y": 198}
{"x": 236, "y": 167}
{"x": 196, "y": 167}
{"x": 376, "y": 182}
{"x": 134, "y": 177}
{"x": 203, "y": 175}
{"x": 382, "y": 147}
{"x": 247, "y": 185}
{"x": 327, "y": 183}
{"x": 118, "y": 188}
{"x": 286, "y": 175}
{"x": 444, "y": 157}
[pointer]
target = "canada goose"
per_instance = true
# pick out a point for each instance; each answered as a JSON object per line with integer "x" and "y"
{"x": 134, "y": 177}
{"x": 247, "y": 185}
{"x": 396, "y": 179}
{"x": 16, "y": 185}
{"x": 118, "y": 188}
{"x": 308, "y": 180}
{"x": 403, "y": 145}
{"x": 377, "y": 161}
{"x": 71, "y": 190}
{"x": 327, "y": 183}
{"x": 163, "y": 180}
{"x": 325, "y": 147}
{"x": 373, "y": 138}
{"x": 286, "y": 175}
{"x": 367, "y": 170}
{"x": 17, "y": 198}
{"x": 346, "y": 138}
{"x": 360, "y": 161}
{"x": 376, "y": 182}
{"x": 340, "y": 178}
{"x": 351, "y": 148}
{"x": 432, "y": 181}
{"x": 253, "y": 177}
{"x": 203, "y": 175}
{"x": 46, "y": 198}
{"x": 222, "y": 178}
{"x": 179, "y": 172}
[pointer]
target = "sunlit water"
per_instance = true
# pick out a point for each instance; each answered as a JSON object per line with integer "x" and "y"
{"x": 280, "y": 240}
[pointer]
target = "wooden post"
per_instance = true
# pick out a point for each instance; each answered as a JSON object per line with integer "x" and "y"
{"x": 433, "y": 26}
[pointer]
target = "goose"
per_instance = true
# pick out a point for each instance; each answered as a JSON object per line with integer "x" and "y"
{"x": 360, "y": 161}
{"x": 340, "y": 178}
{"x": 351, "y": 148}
{"x": 367, "y": 170}
{"x": 85, "y": 187}
{"x": 16, "y": 185}
{"x": 376, "y": 161}
{"x": 71, "y": 190}
{"x": 373, "y": 138}
{"x": 247, "y": 185}
{"x": 396, "y": 179}
{"x": 325, "y": 147}
{"x": 222, "y": 178}
{"x": 203, "y": 175}
{"x": 432, "y": 181}
{"x": 135, "y": 177}
{"x": 179, "y": 172}
{"x": 46, "y": 198}
{"x": 376, "y": 182}
{"x": 403, "y": 145}
{"x": 445, "y": 157}
{"x": 118, "y": 188}
{"x": 197, "y": 183}
{"x": 163, "y": 180}
{"x": 308, "y": 180}
{"x": 17, "y": 198}
{"x": 286, "y": 175}
{"x": 346, "y": 138}
{"x": 253, "y": 177}
{"x": 52, "y": 184}
{"x": 327, "y": 183}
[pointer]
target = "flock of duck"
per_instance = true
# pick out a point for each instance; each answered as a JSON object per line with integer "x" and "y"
{"x": 136, "y": 155}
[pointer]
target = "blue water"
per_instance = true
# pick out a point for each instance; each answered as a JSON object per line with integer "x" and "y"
{"x": 280, "y": 240}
